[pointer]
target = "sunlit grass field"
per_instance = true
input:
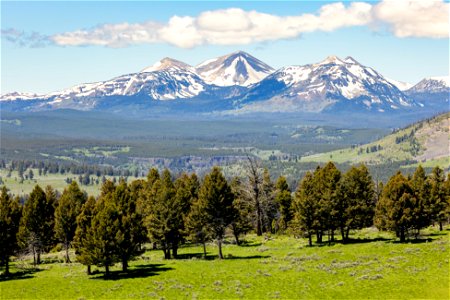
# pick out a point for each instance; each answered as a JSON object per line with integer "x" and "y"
{"x": 373, "y": 266}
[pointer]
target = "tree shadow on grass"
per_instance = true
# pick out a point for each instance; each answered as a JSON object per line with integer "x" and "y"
{"x": 200, "y": 255}
{"x": 25, "y": 274}
{"x": 139, "y": 271}
{"x": 249, "y": 244}
{"x": 362, "y": 241}
{"x": 414, "y": 241}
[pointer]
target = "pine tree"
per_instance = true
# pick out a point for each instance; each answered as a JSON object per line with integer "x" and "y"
{"x": 284, "y": 200}
{"x": 305, "y": 206}
{"x": 82, "y": 241}
{"x": 160, "y": 219}
{"x": 327, "y": 181}
{"x": 438, "y": 197}
{"x": 131, "y": 233}
{"x": 36, "y": 227}
{"x": 421, "y": 187}
{"x": 269, "y": 209}
{"x": 69, "y": 207}
{"x": 355, "y": 205}
{"x": 196, "y": 225}
{"x": 242, "y": 223}
{"x": 394, "y": 211}
{"x": 216, "y": 199}
{"x": 102, "y": 236}
{"x": 10, "y": 213}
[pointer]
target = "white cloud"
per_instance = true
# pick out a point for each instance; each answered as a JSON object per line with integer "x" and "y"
{"x": 419, "y": 18}
{"x": 234, "y": 26}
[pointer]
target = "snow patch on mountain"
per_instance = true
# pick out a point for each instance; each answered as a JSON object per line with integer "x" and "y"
{"x": 238, "y": 68}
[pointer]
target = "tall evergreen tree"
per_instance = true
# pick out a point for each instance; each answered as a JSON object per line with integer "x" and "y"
{"x": 37, "y": 224}
{"x": 242, "y": 223}
{"x": 394, "y": 211}
{"x": 160, "y": 221}
{"x": 422, "y": 210}
{"x": 327, "y": 181}
{"x": 69, "y": 207}
{"x": 102, "y": 237}
{"x": 131, "y": 233}
{"x": 305, "y": 206}
{"x": 216, "y": 199}
{"x": 83, "y": 242}
{"x": 355, "y": 205}
{"x": 438, "y": 197}
{"x": 10, "y": 213}
{"x": 284, "y": 200}
{"x": 196, "y": 225}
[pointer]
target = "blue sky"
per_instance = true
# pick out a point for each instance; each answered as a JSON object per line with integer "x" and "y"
{"x": 48, "y": 46}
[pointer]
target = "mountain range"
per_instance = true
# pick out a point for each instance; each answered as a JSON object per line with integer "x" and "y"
{"x": 240, "y": 83}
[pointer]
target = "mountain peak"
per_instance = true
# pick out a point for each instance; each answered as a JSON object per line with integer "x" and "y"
{"x": 350, "y": 60}
{"x": 332, "y": 59}
{"x": 166, "y": 63}
{"x": 237, "y": 68}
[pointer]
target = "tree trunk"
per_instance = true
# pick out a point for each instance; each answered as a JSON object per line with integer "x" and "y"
{"x": 258, "y": 219}
{"x": 332, "y": 235}
{"x": 319, "y": 236}
{"x": 66, "y": 244}
{"x": 88, "y": 271}
{"x": 219, "y": 244}
{"x": 106, "y": 270}
{"x": 124, "y": 265}
{"x": 402, "y": 235}
{"x": 347, "y": 233}
{"x": 343, "y": 234}
{"x": 6, "y": 260}
{"x": 236, "y": 238}
{"x": 440, "y": 226}
{"x": 204, "y": 249}
{"x": 309, "y": 239}
{"x": 38, "y": 259}
{"x": 174, "y": 250}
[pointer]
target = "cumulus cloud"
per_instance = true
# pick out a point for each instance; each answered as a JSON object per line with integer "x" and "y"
{"x": 235, "y": 26}
{"x": 24, "y": 39}
{"x": 417, "y": 18}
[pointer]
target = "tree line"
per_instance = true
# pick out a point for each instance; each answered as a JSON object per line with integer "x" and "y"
{"x": 167, "y": 212}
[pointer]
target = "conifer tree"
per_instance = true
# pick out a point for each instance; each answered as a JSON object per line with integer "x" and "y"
{"x": 305, "y": 206}
{"x": 394, "y": 211}
{"x": 196, "y": 225}
{"x": 131, "y": 233}
{"x": 422, "y": 210}
{"x": 160, "y": 221}
{"x": 327, "y": 181}
{"x": 37, "y": 223}
{"x": 82, "y": 242}
{"x": 438, "y": 197}
{"x": 10, "y": 213}
{"x": 355, "y": 205}
{"x": 216, "y": 199}
{"x": 284, "y": 200}
{"x": 269, "y": 209}
{"x": 102, "y": 236}
{"x": 69, "y": 207}
{"x": 242, "y": 223}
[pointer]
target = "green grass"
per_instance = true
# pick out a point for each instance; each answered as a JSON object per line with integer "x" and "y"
{"x": 282, "y": 267}
{"x": 57, "y": 181}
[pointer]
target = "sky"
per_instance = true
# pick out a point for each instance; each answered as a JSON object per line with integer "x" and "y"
{"x": 48, "y": 46}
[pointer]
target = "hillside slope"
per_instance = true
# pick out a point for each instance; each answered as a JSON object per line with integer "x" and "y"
{"x": 425, "y": 142}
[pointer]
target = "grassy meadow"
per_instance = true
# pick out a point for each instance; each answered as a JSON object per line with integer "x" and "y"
{"x": 57, "y": 181}
{"x": 373, "y": 266}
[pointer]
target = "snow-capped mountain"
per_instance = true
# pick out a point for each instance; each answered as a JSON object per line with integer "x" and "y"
{"x": 401, "y": 85}
{"x": 238, "y": 68}
{"x": 168, "y": 63}
{"x": 432, "y": 92}
{"x": 239, "y": 83}
{"x": 333, "y": 83}
{"x": 432, "y": 85}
